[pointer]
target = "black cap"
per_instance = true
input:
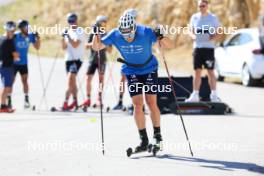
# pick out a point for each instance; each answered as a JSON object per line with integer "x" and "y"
{"x": 10, "y": 26}
{"x": 22, "y": 23}
{"x": 72, "y": 18}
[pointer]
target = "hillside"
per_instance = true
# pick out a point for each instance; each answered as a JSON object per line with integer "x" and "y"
{"x": 238, "y": 13}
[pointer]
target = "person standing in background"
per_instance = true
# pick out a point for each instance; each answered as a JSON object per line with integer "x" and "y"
{"x": 99, "y": 27}
{"x": 23, "y": 38}
{"x": 205, "y": 31}
{"x": 8, "y": 55}
{"x": 73, "y": 43}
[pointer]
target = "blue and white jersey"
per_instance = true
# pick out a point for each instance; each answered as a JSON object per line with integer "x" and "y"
{"x": 136, "y": 52}
{"x": 22, "y": 44}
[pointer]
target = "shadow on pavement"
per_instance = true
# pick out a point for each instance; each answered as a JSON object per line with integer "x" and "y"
{"x": 213, "y": 164}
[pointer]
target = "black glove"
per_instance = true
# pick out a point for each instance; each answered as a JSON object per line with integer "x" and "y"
{"x": 65, "y": 33}
{"x": 36, "y": 34}
{"x": 159, "y": 33}
{"x": 96, "y": 29}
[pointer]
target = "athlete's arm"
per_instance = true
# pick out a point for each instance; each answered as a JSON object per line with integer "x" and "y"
{"x": 191, "y": 33}
{"x": 97, "y": 45}
{"x": 219, "y": 31}
{"x": 88, "y": 45}
{"x": 166, "y": 42}
{"x": 37, "y": 42}
{"x": 109, "y": 49}
{"x": 74, "y": 44}
{"x": 15, "y": 56}
{"x": 64, "y": 44}
{"x": 192, "y": 29}
{"x": 218, "y": 35}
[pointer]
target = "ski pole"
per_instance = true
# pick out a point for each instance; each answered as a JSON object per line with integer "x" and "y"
{"x": 42, "y": 80}
{"x": 100, "y": 95}
{"x": 175, "y": 97}
{"x": 49, "y": 77}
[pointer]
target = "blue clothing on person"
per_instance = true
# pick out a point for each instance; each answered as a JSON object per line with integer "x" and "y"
{"x": 22, "y": 44}
{"x": 6, "y": 77}
{"x": 136, "y": 52}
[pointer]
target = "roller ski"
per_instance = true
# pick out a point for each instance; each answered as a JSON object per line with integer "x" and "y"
{"x": 119, "y": 107}
{"x": 139, "y": 149}
{"x": 130, "y": 110}
{"x": 146, "y": 147}
{"x": 97, "y": 106}
{"x": 66, "y": 108}
{"x": 85, "y": 105}
{"x": 5, "y": 109}
{"x": 157, "y": 144}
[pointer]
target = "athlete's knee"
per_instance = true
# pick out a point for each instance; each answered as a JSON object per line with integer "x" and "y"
{"x": 101, "y": 77}
{"x": 138, "y": 106}
{"x": 72, "y": 77}
{"x": 24, "y": 80}
{"x": 211, "y": 73}
{"x": 152, "y": 104}
{"x": 198, "y": 73}
{"x": 89, "y": 78}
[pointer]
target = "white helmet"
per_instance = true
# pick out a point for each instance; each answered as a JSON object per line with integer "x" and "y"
{"x": 132, "y": 12}
{"x": 127, "y": 26}
{"x": 100, "y": 19}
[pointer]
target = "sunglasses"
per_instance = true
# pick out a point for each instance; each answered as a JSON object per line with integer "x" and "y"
{"x": 202, "y": 6}
{"x": 72, "y": 21}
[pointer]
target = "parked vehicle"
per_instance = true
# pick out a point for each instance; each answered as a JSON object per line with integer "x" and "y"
{"x": 242, "y": 56}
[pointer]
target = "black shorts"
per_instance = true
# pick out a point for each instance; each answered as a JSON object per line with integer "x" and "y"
{"x": 73, "y": 66}
{"x": 21, "y": 69}
{"x": 147, "y": 83}
{"x": 94, "y": 66}
{"x": 204, "y": 57}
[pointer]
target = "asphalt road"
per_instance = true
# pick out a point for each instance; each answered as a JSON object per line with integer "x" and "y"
{"x": 45, "y": 143}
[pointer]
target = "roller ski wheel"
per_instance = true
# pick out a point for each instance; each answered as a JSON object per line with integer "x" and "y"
{"x": 119, "y": 106}
{"x": 155, "y": 149}
{"x": 108, "y": 109}
{"x": 54, "y": 109}
{"x": 84, "y": 108}
{"x": 124, "y": 109}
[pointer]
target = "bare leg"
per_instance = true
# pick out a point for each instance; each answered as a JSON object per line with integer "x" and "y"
{"x": 151, "y": 101}
{"x": 89, "y": 79}
{"x": 122, "y": 85}
{"x": 138, "y": 111}
{"x": 24, "y": 79}
{"x": 101, "y": 81}
{"x": 4, "y": 94}
{"x": 212, "y": 79}
{"x": 197, "y": 80}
